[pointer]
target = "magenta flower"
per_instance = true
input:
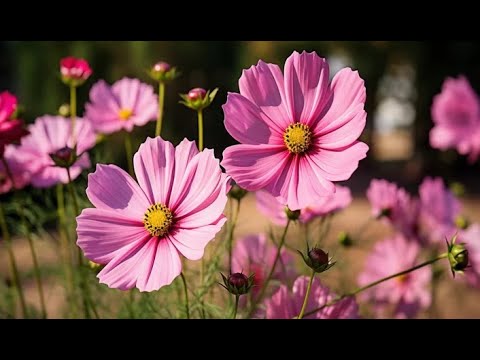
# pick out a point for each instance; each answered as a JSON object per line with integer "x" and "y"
{"x": 11, "y": 130}
{"x": 268, "y": 205}
{"x": 74, "y": 69}
{"x": 287, "y": 305}
{"x": 125, "y": 104}
{"x": 439, "y": 208}
{"x": 139, "y": 230}
{"x": 298, "y": 132}
{"x": 253, "y": 254}
{"x": 48, "y": 135}
{"x": 18, "y": 170}
{"x": 408, "y": 293}
{"x": 456, "y": 117}
{"x": 471, "y": 238}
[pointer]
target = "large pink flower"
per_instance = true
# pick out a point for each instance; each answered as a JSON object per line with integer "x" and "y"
{"x": 471, "y": 238}
{"x": 125, "y": 104}
{"x": 11, "y": 130}
{"x": 439, "y": 209}
{"x": 286, "y": 305}
{"x": 253, "y": 254}
{"x": 18, "y": 170}
{"x": 408, "y": 293}
{"x": 298, "y": 132}
{"x": 456, "y": 115}
{"x": 48, "y": 135}
{"x": 139, "y": 230}
{"x": 271, "y": 207}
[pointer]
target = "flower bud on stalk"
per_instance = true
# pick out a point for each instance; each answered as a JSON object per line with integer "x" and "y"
{"x": 198, "y": 98}
{"x": 163, "y": 72}
{"x": 317, "y": 259}
{"x": 457, "y": 256}
{"x": 237, "y": 283}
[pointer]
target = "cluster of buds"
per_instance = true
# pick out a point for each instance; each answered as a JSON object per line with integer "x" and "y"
{"x": 74, "y": 71}
{"x": 198, "y": 98}
{"x": 237, "y": 283}
{"x": 317, "y": 259}
{"x": 457, "y": 256}
{"x": 162, "y": 72}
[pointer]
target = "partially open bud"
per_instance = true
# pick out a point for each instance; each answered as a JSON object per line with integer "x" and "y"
{"x": 237, "y": 283}
{"x": 457, "y": 256}
{"x": 74, "y": 71}
{"x": 317, "y": 259}
{"x": 236, "y": 192}
{"x": 462, "y": 222}
{"x": 198, "y": 98}
{"x": 292, "y": 214}
{"x": 163, "y": 72}
{"x": 64, "y": 110}
{"x": 64, "y": 157}
{"x": 344, "y": 239}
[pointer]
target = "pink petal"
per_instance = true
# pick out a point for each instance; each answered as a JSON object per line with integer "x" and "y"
{"x": 191, "y": 242}
{"x": 184, "y": 153}
{"x": 268, "y": 205}
{"x": 254, "y": 166}
{"x": 103, "y": 234}
{"x": 345, "y": 134}
{"x": 306, "y": 86}
{"x": 111, "y": 188}
{"x": 154, "y": 164}
{"x": 263, "y": 85}
{"x": 126, "y": 91}
{"x": 248, "y": 124}
{"x": 348, "y": 96}
{"x": 101, "y": 95}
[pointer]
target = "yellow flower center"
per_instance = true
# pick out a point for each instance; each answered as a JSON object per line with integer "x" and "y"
{"x": 158, "y": 219}
{"x": 297, "y": 138}
{"x": 125, "y": 114}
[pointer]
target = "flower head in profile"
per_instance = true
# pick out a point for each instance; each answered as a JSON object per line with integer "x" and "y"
{"x": 16, "y": 169}
{"x": 286, "y": 304}
{"x": 456, "y": 118}
{"x": 298, "y": 132}
{"x": 471, "y": 238}
{"x": 275, "y": 211}
{"x": 125, "y": 104}
{"x": 439, "y": 210}
{"x": 139, "y": 230}
{"x": 405, "y": 294}
{"x": 253, "y": 254}
{"x": 11, "y": 130}
{"x": 74, "y": 71}
{"x": 49, "y": 135}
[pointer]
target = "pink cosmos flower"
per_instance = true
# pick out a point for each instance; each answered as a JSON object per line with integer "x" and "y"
{"x": 439, "y": 208}
{"x": 395, "y": 205}
{"x": 48, "y": 135}
{"x": 471, "y": 238}
{"x": 139, "y": 230}
{"x": 75, "y": 68}
{"x": 286, "y": 305}
{"x": 298, "y": 132}
{"x": 268, "y": 205}
{"x": 11, "y": 130}
{"x": 456, "y": 117}
{"x": 253, "y": 254}
{"x": 123, "y": 105}
{"x": 408, "y": 293}
{"x": 17, "y": 168}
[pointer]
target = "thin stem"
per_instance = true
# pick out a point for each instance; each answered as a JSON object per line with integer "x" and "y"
{"x": 375, "y": 283}
{"x": 187, "y": 308}
{"x": 13, "y": 263}
{"x": 237, "y": 297}
{"x": 36, "y": 268}
{"x": 200, "y": 129}
{"x": 307, "y": 294}
{"x": 128, "y": 152}
{"x": 76, "y": 210}
{"x": 73, "y": 111}
{"x": 231, "y": 232}
{"x": 161, "y": 100}
{"x": 272, "y": 270}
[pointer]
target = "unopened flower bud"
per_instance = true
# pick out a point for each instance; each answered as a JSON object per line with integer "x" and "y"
{"x": 344, "y": 239}
{"x": 462, "y": 222}
{"x": 74, "y": 71}
{"x": 457, "y": 256}
{"x": 198, "y": 98}
{"x": 163, "y": 72}
{"x": 64, "y": 110}
{"x": 317, "y": 259}
{"x": 64, "y": 157}
{"x": 292, "y": 214}
{"x": 237, "y": 283}
{"x": 236, "y": 192}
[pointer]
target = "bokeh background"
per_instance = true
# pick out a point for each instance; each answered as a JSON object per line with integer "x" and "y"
{"x": 401, "y": 80}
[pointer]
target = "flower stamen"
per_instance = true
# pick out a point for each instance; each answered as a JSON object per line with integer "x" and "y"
{"x": 297, "y": 138}
{"x": 157, "y": 220}
{"x": 124, "y": 114}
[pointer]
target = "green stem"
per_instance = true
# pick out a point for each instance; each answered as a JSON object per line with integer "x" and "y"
{"x": 237, "y": 297}
{"x": 307, "y": 294}
{"x": 161, "y": 100}
{"x": 73, "y": 112}
{"x": 76, "y": 210}
{"x": 375, "y": 283}
{"x": 13, "y": 263}
{"x": 200, "y": 129}
{"x": 187, "y": 308}
{"x": 260, "y": 296}
{"x": 231, "y": 232}
{"x": 128, "y": 152}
